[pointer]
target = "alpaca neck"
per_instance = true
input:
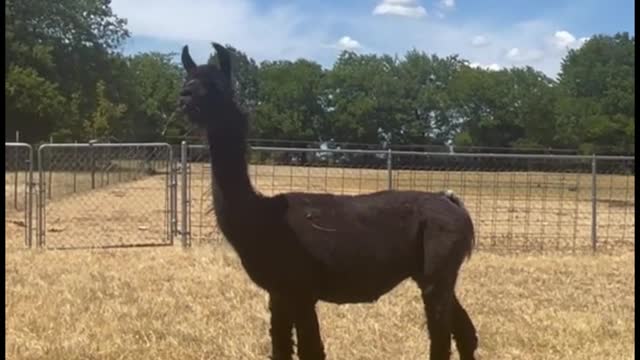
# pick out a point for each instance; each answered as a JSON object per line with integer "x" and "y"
{"x": 232, "y": 189}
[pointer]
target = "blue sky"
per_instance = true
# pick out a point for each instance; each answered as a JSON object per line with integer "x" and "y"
{"x": 490, "y": 33}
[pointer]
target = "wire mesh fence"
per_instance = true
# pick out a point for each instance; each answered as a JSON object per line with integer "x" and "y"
{"x": 105, "y": 195}
{"x": 615, "y": 202}
{"x": 197, "y": 196}
{"x": 518, "y": 202}
{"x": 102, "y": 195}
{"x": 18, "y": 163}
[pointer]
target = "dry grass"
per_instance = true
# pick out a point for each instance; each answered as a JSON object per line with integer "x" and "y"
{"x": 129, "y": 213}
{"x": 59, "y": 184}
{"x": 168, "y": 303}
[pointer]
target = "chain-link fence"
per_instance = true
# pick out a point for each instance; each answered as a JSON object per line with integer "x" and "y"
{"x": 615, "y": 202}
{"x": 18, "y": 163}
{"x": 518, "y": 202}
{"x": 105, "y": 195}
{"x": 532, "y": 202}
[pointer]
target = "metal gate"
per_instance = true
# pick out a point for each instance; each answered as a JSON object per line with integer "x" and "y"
{"x": 18, "y": 164}
{"x": 197, "y": 221}
{"x": 105, "y": 195}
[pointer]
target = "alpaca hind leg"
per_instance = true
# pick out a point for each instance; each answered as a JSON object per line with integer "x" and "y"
{"x": 310, "y": 346}
{"x": 464, "y": 333}
{"x": 438, "y": 299}
{"x": 281, "y": 329}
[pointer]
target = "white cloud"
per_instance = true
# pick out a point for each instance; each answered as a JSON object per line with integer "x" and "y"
{"x": 449, "y": 4}
{"x": 444, "y": 6}
{"x": 272, "y": 34}
{"x": 291, "y": 32}
{"x": 513, "y": 53}
{"x": 347, "y": 43}
{"x": 494, "y": 67}
{"x": 583, "y": 40}
{"x": 444, "y": 39}
{"x": 491, "y": 67}
{"x": 480, "y": 41}
{"x": 407, "y": 8}
{"x": 516, "y": 55}
{"x": 564, "y": 40}
{"x": 401, "y": 2}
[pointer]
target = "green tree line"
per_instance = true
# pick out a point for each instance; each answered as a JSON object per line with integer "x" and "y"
{"x": 66, "y": 78}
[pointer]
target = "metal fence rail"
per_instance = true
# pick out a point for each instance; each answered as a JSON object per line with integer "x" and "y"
{"x": 18, "y": 163}
{"x": 105, "y": 195}
{"x": 518, "y": 202}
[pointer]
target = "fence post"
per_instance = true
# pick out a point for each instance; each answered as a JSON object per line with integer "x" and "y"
{"x": 15, "y": 179}
{"x": 40, "y": 201}
{"x": 173, "y": 170}
{"x": 185, "y": 199}
{"x": 29, "y": 204}
{"x": 92, "y": 164}
{"x": 172, "y": 182}
{"x": 594, "y": 203}
{"x": 390, "y": 169}
{"x": 75, "y": 166}
{"x": 50, "y": 182}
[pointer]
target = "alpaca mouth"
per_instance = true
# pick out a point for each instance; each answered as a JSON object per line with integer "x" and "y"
{"x": 188, "y": 107}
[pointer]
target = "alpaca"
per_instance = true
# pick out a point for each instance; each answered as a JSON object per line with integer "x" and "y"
{"x": 303, "y": 248}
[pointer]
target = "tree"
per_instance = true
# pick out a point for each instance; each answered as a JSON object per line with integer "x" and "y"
{"x": 154, "y": 82}
{"x": 533, "y": 99}
{"x": 597, "y": 88}
{"x": 289, "y": 104}
{"x": 425, "y": 80}
{"x": 67, "y": 78}
{"x": 363, "y": 98}
{"x": 68, "y": 45}
{"x": 99, "y": 125}
{"x": 34, "y": 104}
{"x": 503, "y": 108}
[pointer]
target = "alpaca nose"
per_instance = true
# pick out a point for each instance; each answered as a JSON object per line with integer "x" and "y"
{"x": 185, "y": 100}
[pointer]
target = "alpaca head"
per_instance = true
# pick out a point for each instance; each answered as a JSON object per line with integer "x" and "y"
{"x": 207, "y": 87}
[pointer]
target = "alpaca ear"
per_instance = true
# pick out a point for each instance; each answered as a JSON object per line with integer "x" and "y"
{"x": 187, "y": 61}
{"x": 224, "y": 59}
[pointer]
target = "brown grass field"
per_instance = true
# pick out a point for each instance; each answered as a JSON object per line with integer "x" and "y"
{"x": 170, "y": 303}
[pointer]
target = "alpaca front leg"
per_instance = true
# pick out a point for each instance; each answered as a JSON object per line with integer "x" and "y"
{"x": 310, "y": 346}
{"x": 281, "y": 329}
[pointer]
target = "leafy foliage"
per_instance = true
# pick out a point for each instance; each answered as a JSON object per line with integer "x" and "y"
{"x": 597, "y": 86}
{"x": 66, "y": 78}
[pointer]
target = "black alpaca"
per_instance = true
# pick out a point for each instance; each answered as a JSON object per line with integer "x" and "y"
{"x": 303, "y": 248}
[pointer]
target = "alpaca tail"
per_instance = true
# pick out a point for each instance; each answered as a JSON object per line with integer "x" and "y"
{"x": 470, "y": 235}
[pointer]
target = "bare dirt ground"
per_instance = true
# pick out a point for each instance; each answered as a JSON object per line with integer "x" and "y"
{"x": 170, "y": 303}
